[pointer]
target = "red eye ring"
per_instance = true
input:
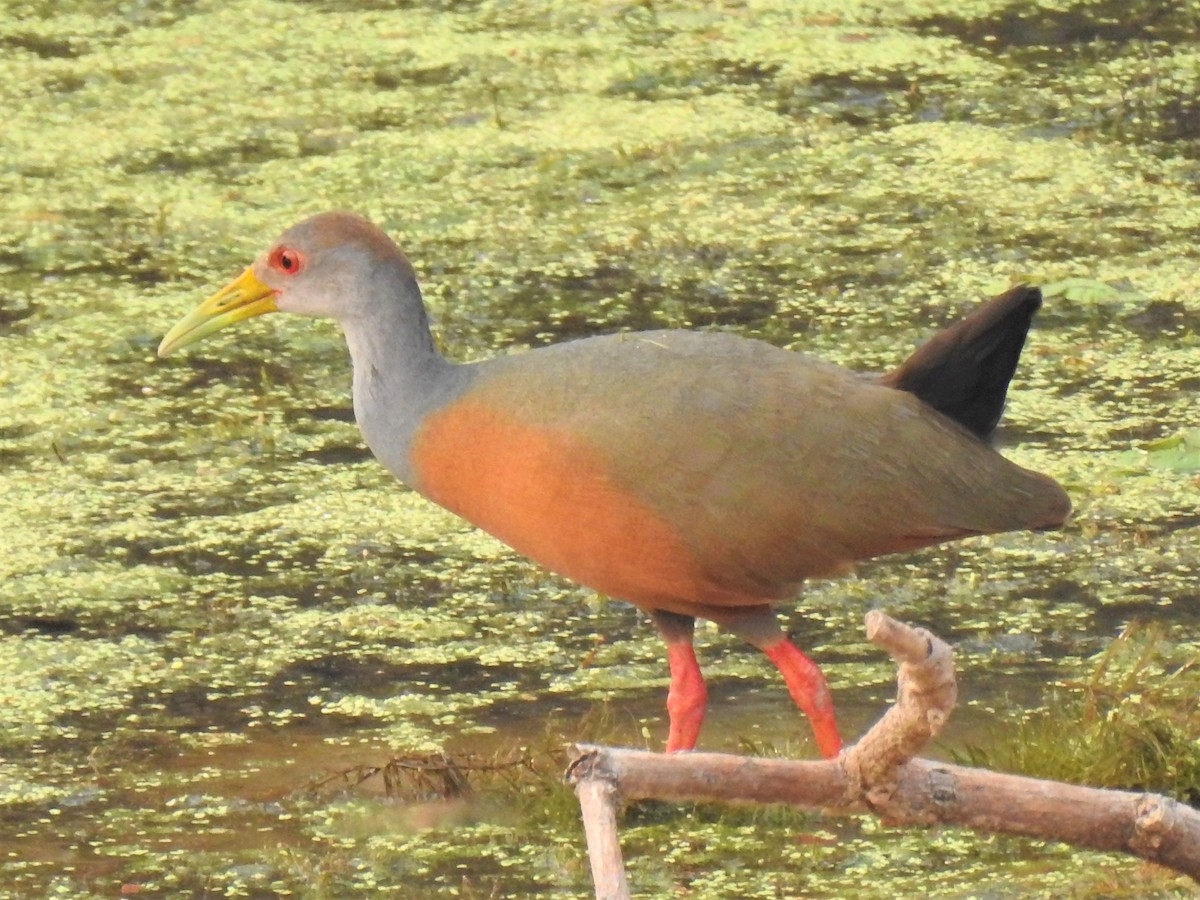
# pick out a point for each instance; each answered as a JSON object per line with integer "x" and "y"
{"x": 286, "y": 260}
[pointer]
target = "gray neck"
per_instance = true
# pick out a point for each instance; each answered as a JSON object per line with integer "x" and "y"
{"x": 399, "y": 377}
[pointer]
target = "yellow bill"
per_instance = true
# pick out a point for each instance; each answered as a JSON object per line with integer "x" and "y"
{"x": 243, "y": 298}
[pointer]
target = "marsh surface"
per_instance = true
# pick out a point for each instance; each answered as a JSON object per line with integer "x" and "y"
{"x": 211, "y": 598}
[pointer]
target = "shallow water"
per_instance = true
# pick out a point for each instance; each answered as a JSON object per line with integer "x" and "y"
{"x": 212, "y": 597}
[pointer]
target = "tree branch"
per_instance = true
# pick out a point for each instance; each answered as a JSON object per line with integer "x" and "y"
{"x": 879, "y": 774}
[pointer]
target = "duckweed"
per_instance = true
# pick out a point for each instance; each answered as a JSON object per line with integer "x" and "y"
{"x": 212, "y": 598}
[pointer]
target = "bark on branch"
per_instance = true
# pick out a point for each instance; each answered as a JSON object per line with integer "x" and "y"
{"x": 879, "y": 774}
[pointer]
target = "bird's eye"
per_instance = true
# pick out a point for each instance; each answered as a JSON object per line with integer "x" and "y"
{"x": 285, "y": 260}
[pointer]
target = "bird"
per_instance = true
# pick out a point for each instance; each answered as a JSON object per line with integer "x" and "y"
{"x": 693, "y": 474}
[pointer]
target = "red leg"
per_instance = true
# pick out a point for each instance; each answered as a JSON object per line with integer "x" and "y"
{"x": 808, "y": 688}
{"x": 687, "y": 698}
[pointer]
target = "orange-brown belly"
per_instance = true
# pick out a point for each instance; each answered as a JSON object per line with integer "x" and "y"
{"x": 552, "y": 498}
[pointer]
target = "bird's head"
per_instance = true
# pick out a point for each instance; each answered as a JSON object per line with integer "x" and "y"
{"x": 334, "y": 265}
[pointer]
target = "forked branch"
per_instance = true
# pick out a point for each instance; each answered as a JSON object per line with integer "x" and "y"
{"x": 881, "y": 774}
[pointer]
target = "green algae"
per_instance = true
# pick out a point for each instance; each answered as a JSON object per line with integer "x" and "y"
{"x": 199, "y": 556}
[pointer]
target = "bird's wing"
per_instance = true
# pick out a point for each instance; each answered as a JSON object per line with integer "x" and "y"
{"x": 762, "y": 466}
{"x": 776, "y": 466}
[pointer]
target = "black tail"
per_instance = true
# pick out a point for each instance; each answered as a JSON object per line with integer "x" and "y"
{"x": 963, "y": 371}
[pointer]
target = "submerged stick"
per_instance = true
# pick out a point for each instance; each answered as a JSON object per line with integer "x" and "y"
{"x": 598, "y": 803}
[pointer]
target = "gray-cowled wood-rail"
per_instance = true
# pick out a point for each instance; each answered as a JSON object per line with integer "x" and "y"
{"x": 690, "y": 474}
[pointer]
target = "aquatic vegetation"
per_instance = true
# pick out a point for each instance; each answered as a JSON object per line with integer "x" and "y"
{"x": 1129, "y": 722}
{"x": 212, "y": 597}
